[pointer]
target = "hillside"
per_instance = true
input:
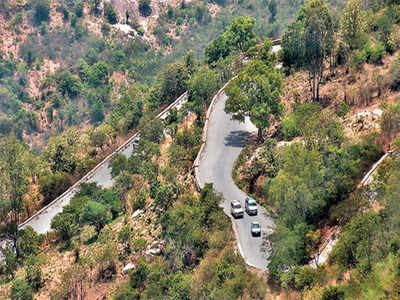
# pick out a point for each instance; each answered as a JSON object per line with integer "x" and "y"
{"x": 78, "y": 78}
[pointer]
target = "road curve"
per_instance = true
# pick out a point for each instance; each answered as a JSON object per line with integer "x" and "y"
{"x": 101, "y": 174}
{"x": 225, "y": 139}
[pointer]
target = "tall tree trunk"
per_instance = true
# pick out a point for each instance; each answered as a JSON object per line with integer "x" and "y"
{"x": 260, "y": 136}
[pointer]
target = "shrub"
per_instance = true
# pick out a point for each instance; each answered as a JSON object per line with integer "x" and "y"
{"x": 79, "y": 9}
{"x": 333, "y": 293}
{"x": 41, "y": 10}
{"x": 374, "y": 54}
{"x": 394, "y": 75}
{"x": 68, "y": 84}
{"x": 28, "y": 242}
{"x": 20, "y": 290}
{"x": 342, "y": 109}
{"x": 357, "y": 60}
{"x": 53, "y": 185}
{"x": 110, "y": 13}
{"x": 144, "y": 7}
{"x": 34, "y": 276}
{"x": 118, "y": 164}
{"x": 289, "y": 127}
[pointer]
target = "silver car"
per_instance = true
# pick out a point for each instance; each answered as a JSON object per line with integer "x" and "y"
{"x": 236, "y": 209}
{"x": 250, "y": 206}
{"x": 255, "y": 229}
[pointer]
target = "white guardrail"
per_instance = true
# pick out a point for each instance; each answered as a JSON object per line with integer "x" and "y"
{"x": 162, "y": 115}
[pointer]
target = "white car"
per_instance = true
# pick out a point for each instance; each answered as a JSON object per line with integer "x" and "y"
{"x": 236, "y": 209}
{"x": 250, "y": 206}
{"x": 255, "y": 229}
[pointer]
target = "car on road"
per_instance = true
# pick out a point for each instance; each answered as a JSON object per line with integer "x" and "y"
{"x": 255, "y": 229}
{"x": 250, "y": 206}
{"x": 236, "y": 209}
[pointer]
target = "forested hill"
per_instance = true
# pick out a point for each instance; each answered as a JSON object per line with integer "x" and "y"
{"x": 78, "y": 77}
{"x": 65, "y": 63}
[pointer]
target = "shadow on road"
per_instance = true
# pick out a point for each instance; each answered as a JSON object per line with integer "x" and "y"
{"x": 237, "y": 138}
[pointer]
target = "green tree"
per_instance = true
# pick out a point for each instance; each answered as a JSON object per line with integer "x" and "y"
{"x": 79, "y": 9}
{"x": 123, "y": 184}
{"x": 293, "y": 47}
{"x": 217, "y": 49}
{"x": 256, "y": 93}
{"x": 98, "y": 73}
{"x": 20, "y": 290}
{"x": 53, "y": 185}
{"x": 352, "y": 23}
{"x": 240, "y": 33}
{"x": 151, "y": 130}
{"x": 202, "y": 87}
{"x": 118, "y": 164}
{"x": 273, "y": 9}
{"x": 318, "y": 41}
{"x": 124, "y": 237}
{"x": 41, "y": 10}
{"x": 13, "y": 186}
{"x": 98, "y": 138}
{"x": 28, "y": 242}
{"x": 145, "y": 8}
{"x": 96, "y": 214}
{"x": 110, "y": 13}
{"x": 65, "y": 224}
{"x": 68, "y": 84}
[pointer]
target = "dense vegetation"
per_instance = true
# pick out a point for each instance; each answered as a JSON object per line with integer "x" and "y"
{"x": 193, "y": 227}
{"x": 309, "y": 185}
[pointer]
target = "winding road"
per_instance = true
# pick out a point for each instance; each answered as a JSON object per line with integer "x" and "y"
{"x": 225, "y": 139}
{"x": 101, "y": 174}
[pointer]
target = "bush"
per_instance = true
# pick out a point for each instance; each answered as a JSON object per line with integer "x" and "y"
{"x": 374, "y": 54}
{"x": 28, "y": 242}
{"x": 118, "y": 164}
{"x": 53, "y": 185}
{"x": 34, "y": 276}
{"x": 357, "y": 60}
{"x": 41, "y": 10}
{"x": 110, "y": 13}
{"x": 68, "y": 84}
{"x": 79, "y": 9}
{"x": 289, "y": 127}
{"x": 333, "y": 293}
{"x": 394, "y": 75}
{"x": 144, "y": 7}
{"x": 20, "y": 290}
{"x": 342, "y": 109}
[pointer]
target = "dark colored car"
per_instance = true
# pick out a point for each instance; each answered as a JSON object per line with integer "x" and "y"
{"x": 255, "y": 229}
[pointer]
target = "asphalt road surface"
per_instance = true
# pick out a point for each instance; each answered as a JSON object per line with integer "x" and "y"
{"x": 226, "y": 138}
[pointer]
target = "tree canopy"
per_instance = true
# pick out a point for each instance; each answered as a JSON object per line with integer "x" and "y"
{"x": 255, "y": 93}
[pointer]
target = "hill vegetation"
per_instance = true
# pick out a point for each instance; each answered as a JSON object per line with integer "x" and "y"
{"x": 85, "y": 86}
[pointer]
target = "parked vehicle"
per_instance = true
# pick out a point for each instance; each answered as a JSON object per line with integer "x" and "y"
{"x": 255, "y": 229}
{"x": 236, "y": 209}
{"x": 251, "y": 206}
